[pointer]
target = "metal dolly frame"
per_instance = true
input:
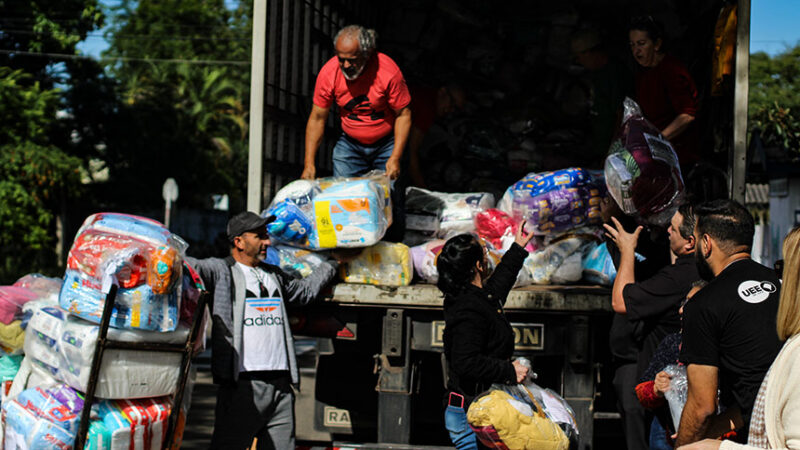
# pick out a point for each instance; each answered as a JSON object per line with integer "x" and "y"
{"x": 103, "y": 343}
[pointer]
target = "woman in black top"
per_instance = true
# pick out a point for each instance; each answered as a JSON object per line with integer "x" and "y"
{"x": 478, "y": 339}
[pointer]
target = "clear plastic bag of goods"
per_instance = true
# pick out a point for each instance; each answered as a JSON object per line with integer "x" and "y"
{"x": 332, "y": 212}
{"x": 598, "y": 266}
{"x": 42, "y": 418}
{"x": 383, "y": 264}
{"x": 451, "y": 213}
{"x": 570, "y": 271}
{"x": 44, "y": 287}
{"x": 543, "y": 263}
{"x": 293, "y": 208}
{"x": 497, "y": 227}
{"x": 424, "y": 260}
{"x": 556, "y": 201}
{"x": 677, "y": 392}
{"x": 642, "y": 171}
{"x": 11, "y": 300}
{"x": 512, "y": 417}
{"x": 137, "y": 254}
{"x": 297, "y": 262}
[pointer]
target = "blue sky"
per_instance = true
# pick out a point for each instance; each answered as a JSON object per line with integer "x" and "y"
{"x": 774, "y": 27}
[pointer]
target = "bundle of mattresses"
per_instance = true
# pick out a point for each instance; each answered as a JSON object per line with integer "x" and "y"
{"x": 642, "y": 170}
{"x": 556, "y": 201}
{"x": 523, "y": 417}
{"x": 137, "y": 254}
{"x": 332, "y": 212}
{"x": 48, "y": 418}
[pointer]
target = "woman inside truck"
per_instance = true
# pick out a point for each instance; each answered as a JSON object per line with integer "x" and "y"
{"x": 478, "y": 339}
{"x": 664, "y": 89}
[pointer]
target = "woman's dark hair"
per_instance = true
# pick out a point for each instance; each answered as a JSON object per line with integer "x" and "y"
{"x": 456, "y": 263}
{"x": 649, "y": 25}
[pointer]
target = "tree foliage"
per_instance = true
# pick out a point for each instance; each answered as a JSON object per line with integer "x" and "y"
{"x": 774, "y": 103}
{"x": 35, "y": 176}
{"x": 177, "y": 118}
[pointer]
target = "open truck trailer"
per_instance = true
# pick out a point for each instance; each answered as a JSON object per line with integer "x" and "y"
{"x": 379, "y": 375}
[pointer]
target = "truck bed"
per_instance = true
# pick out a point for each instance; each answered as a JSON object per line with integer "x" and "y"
{"x": 572, "y": 298}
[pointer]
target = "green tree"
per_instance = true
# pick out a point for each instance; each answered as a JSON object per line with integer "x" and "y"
{"x": 183, "y": 92}
{"x": 774, "y": 101}
{"x": 35, "y": 177}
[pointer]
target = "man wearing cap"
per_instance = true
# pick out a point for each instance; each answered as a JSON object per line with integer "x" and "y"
{"x": 252, "y": 350}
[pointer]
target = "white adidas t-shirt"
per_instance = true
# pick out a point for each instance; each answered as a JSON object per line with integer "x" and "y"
{"x": 263, "y": 341}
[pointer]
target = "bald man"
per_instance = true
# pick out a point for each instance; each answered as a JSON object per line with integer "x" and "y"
{"x": 373, "y": 101}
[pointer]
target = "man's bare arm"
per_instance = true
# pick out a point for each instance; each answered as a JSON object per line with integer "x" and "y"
{"x": 701, "y": 403}
{"x": 315, "y": 129}
{"x": 402, "y": 126}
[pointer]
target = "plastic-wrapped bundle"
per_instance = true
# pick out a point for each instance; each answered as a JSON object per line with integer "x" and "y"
{"x": 44, "y": 287}
{"x": 511, "y": 417}
{"x": 384, "y": 264}
{"x": 677, "y": 392}
{"x": 642, "y": 171}
{"x": 296, "y": 261}
{"x": 332, "y": 212}
{"x": 11, "y": 300}
{"x": 424, "y": 259}
{"x": 535, "y": 184}
{"x": 63, "y": 346}
{"x": 42, "y": 418}
{"x": 454, "y": 213}
{"x": 553, "y": 202}
{"x": 598, "y": 267}
{"x": 293, "y": 209}
{"x": 542, "y": 264}
{"x": 9, "y": 366}
{"x": 497, "y": 227}
{"x": 138, "y": 254}
{"x": 135, "y": 424}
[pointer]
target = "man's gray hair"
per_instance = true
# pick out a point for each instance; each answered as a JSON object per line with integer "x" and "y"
{"x": 366, "y": 37}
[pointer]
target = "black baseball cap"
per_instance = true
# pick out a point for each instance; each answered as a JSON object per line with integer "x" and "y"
{"x": 246, "y": 221}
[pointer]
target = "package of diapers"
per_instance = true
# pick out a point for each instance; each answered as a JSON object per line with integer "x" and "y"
{"x": 424, "y": 260}
{"x": 40, "y": 418}
{"x": 384, "y": 264}
{"x": 135, "y": 424}
{"x": 332, "y": 212}
{"x": 63, "y": 346}
{"x": 556, "y": 202}
{"x": 137, "y": 254}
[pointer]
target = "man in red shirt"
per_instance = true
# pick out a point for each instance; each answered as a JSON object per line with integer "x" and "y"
{"x": 373, "y": 100}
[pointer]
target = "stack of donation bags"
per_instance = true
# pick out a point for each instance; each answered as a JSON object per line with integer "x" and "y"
{"x": 562, "y": 207}
{"x": 156, "y": 298}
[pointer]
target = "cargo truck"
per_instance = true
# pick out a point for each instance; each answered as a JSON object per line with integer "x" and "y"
{"x": 379, "y": 373}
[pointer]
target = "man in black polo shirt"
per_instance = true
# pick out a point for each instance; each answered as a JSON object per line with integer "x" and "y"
{"x": 652, "y": 304}
{"x": 729, "y": 327}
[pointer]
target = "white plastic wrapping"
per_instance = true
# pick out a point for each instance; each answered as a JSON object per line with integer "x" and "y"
{"x": 677, "y": 392}
{"x": 450, "y": 214}
{"x": 332, "y": 212}
{"x": 63, "y": 347}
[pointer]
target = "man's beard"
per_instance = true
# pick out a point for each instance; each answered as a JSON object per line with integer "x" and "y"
{"x": 703, "y": 269}
{"x": 352, "y": 73}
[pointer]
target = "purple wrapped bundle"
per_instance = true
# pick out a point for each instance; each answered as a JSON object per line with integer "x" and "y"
{"x": 560, "y": 210}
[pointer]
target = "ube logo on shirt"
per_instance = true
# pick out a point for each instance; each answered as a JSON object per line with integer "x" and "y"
{"x": 753, "y": 291}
